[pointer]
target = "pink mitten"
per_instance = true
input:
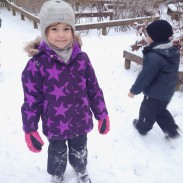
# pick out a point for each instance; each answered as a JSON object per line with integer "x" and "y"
{"x": 34, "y": 141}
{"x": 104, "y": 126}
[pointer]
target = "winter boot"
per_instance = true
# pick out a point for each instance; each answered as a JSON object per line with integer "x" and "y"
{"x": 57, "y": 179}
{"x": 173, "y": 134}
{"x": 135, "y": 121}
{"x": 83, "y": 177}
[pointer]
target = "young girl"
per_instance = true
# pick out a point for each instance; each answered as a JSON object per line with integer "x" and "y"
{"x": 157, "y": 80}
{"x": 61, "y": 87}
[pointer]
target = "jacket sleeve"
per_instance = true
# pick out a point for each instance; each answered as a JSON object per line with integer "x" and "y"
{"x": 33, "y": 97}
{"x": 95, "y": 93}
{"x": 149, "y": 71}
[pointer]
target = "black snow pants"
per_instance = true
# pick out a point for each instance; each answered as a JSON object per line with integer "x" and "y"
{"x": 153, "y": 110}
{"x": 57, "y": 155}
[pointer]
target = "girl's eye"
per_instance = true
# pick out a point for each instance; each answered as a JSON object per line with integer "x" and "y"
{"x": 67, "y": 29}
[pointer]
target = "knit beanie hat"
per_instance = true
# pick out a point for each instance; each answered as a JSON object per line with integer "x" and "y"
{"x": 159, "y": 31}
{"x": 54, "y": 11}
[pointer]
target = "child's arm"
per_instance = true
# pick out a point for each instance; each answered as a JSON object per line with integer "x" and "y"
{"x": 33, "y": 97}
{"x": 32, "y": 106}
{"x": 150, "y": 69}
{"x": 95, "y": 93}
{"x": 96, "y": 98}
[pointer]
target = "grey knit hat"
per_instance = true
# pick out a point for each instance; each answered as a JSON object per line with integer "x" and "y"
{"x": 56, "y": 11}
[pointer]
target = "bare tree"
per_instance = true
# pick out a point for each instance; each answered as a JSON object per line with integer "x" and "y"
{"x": 32, "y": 6}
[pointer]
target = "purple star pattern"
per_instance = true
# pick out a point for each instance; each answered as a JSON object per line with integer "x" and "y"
{"x": 87, "y": 117}
{"x": 30, "y": 86}
{"x": 54, "y": 73}
{"x": 32, "y": 125}
{"x": 83, "y": 83}
{"x": 50, "y": 135}
{"x": 30, "y": 114}
{"x": 85, "y": 100}
{"x": 101, "y": 105}
{"x": 102, "y": 116}
{"x": 97, "y": 95}
{"x": 60, "y": 110}
{"x": 63, "y": 126}
{"x": 81, "y": 65}
{"x": 49, "y": 122}
{"x": 30, "y": 99}
{"x": 58, "y": 92}
{"x": 32, "y": 67}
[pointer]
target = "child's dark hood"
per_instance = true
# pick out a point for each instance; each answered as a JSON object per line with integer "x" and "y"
{"x": 167, "y": 50}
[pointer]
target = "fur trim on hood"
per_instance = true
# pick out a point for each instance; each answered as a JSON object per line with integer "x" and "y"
{"x": 32, "y": 47}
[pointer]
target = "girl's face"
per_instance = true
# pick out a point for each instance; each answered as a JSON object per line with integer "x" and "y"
{"x": 148, "y": 39}
{"x": 59, "y": 35}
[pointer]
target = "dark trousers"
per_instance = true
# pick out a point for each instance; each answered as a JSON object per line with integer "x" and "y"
{"x": 153, "y": 110}
{"x": 57, "y": 155}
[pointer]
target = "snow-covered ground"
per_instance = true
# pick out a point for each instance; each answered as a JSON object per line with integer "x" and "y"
{"x": 122, "y": 156}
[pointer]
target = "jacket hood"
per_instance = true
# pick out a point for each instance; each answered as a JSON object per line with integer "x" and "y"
{"x": 167, "y": 50}
{"x": 33, "y": 47}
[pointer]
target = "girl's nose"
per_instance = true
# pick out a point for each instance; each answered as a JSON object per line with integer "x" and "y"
{"x": 61, "y": 33}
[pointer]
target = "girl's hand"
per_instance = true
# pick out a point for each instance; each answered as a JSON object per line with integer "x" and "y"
{"x": 104, "y": 126}
{"x": 34, "y": 141}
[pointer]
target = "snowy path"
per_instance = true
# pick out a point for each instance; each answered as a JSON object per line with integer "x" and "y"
{"x": 122, "y": 156}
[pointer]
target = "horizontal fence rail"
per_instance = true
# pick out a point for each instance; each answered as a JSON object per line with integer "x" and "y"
{"x": 79, "y": 27}
{"x": 113, "y": 23}
{"x": 95, "y": 14}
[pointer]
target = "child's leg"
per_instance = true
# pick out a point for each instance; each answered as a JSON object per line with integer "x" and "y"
{"x": 57, "y": 157}
{"x": 167, "y": 123}
{"x": 78, "y": 157}
{"x": 148, "y": 114}
{"x": 78, "y": 153}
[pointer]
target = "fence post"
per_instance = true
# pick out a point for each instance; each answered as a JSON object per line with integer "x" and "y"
{"x": 127, "y": 64}
{"x": 111, "y": 16}
{"x": 22, "y": 17}
{"x": 35, "y": 25}
{"x": 104, "y": 31}
{"x": 14, "y": 12}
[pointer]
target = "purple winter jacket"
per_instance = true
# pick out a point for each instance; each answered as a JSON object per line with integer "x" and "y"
{"x": 63, "y": 95}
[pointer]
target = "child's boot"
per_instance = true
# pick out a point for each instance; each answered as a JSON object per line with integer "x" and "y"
{"x": 136, "y": 126}
{"x": 83, "y": 177}
{"x": 173, "y": 134}
{"x": 57, "y": 179}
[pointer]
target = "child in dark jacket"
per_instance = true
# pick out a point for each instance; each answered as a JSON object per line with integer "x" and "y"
{"x": 61, "y": 88}
{"x": 157, "y": 80}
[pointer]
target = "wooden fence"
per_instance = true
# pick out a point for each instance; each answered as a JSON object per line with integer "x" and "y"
{"x": 79, "y": 27}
